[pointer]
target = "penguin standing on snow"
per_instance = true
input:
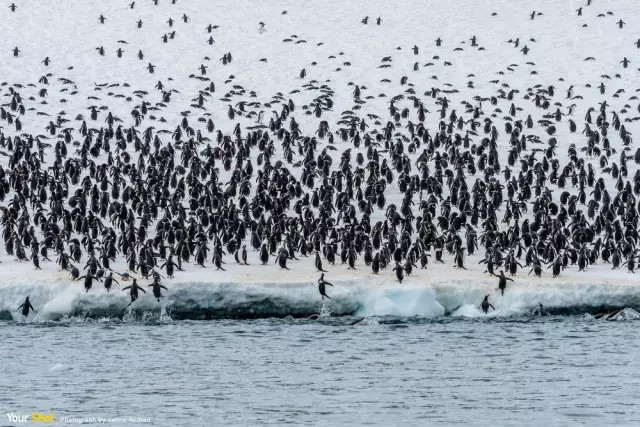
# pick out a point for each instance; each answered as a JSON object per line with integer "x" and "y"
{"x": 319, "y": 262}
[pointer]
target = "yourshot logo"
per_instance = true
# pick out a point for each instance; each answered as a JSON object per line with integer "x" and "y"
{"x": 34, "y": 417}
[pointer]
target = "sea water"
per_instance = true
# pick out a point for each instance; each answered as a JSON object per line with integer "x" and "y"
{"x": 520, "y": 370}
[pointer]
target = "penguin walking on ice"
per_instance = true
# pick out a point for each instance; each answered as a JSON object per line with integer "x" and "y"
{"x": 399, "y": 272}
{"x": 322, "y": 286}
{"x": 26, "y": 306}
{"x": 319, "y": 262}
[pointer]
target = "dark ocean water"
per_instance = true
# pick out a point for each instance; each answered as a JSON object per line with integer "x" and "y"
{"x": 381, "y": 371}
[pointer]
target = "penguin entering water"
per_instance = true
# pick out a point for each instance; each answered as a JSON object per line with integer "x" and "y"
{"x": 26, "y": 306}
{"x": 133, "y": 291}
{"x": 486, "y": 304}
{"x": 502, "y": 281}
{"x": 157, "y": 290}
{"x": 322, "y": 284}
{"x": 88, "y": 281}
{"x": 108, "y": 281}
{"x": 539, "y": 311}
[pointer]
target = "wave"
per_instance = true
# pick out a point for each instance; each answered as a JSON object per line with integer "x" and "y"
{"x": 204, "y": 301}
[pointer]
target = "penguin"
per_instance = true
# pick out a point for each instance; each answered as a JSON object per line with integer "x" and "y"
{"x": 322, "y": 284}
{"x": 243, "y": 255}
{"x": 264, "y": 254}
{"x": 486, "y": 304}
{"x": 157, "y": 290}
{"x": 399, "y": 272}
{"x": 26, "y": 306}
{"x": 539, "y": 311}
{"x": 133, "y": 291}
{"x": 88, "y": 281}
{"x": 502, "y": 282}
{"x": 282, "y": 257}
{"x": 375, "y": 264}
{"x": 318, "y": 262}
{"x": 108, "y": 281}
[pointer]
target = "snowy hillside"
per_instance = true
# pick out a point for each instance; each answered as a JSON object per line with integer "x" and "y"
{"x": 140, "y": 136}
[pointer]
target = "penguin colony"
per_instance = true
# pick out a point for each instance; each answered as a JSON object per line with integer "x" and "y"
{"x": 158, "y": 194}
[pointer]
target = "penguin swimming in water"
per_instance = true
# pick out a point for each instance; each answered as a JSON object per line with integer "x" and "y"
{"x": 322, "y": 284}
{"x": 26, "y": 306}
